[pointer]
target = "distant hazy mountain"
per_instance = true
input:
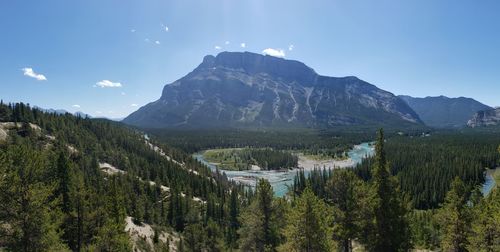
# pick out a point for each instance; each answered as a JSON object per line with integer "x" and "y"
{"x": 252, "y": 90}
{"x": 489, "y": 117}
{"x": 444, "y": 112}
{"x": 62, "y": 112}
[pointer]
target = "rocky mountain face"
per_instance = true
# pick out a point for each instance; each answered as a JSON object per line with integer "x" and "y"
{"x": 444, "y": 112}
{"x": 485, "y": 118}
{"x": 252, "y": 90}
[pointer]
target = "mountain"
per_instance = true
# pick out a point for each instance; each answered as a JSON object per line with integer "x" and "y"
{"x": 63, "y": 112}
{"x": 485, "y": 118}
{"x": 444, "y": 112}
{"x": 246, "y": 89}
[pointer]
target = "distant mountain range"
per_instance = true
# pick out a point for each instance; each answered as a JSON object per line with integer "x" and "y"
{"x": 246, "y": 89}
{"x": 62, "y": 112}
{"x": 444, "y": 112}
{"x": 483, "y": 118}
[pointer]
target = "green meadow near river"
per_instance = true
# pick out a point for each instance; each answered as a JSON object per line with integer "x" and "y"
{"x": 238, "y": 159}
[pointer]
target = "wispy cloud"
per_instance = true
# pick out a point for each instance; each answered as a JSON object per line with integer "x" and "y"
{"x": 76, "y": 106}
{"x": 243, "y": 45}
{"x": 290, "y": 47}
{"x": 132, "y": 30}
{"x": 123, "y": 93}
{"x": 133, "y": 105}
{"x": 274, "y": 52}
{"x": 108, "y": 84}
{"x": 227, "y": 42}
{"x": 217, "y": 47}
{"x": 157, "y": 42}
{"x": 165, "y": 28}
{"x": 27, "y": 71}
{"x": 146, "y": 40}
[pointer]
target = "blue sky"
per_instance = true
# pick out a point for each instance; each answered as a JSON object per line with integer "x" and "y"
{"x": 58, "y": 53}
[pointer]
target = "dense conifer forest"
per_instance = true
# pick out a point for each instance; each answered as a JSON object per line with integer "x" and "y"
{"x": 426, "y": 165}
{"x": 324, "y": 142}
{"x": 76, "y": 184}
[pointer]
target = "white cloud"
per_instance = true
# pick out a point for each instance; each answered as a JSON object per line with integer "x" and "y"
{"x": 98, "y": 112}
{"x": 108, "y": 84}
{"x": 157, "y": 42}
{"x": 133, "y": 105}
{"x": 132, "y": 30}
{"x": 146, "y": 40}
{"x": 227, "y": 42}
{"x": 274, "y": 52}
{"x": 123, "y": 93}
{"x": 217, "y": 47}
{"x": 27, "y": 71}
{"x": 290, "y": 47}
{"x": 243, "y": 45}
{"x": 164, "y": 27}
{"x": 76, "y": 106}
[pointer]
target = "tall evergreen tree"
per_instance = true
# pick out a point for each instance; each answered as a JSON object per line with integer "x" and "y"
{"x": 234, "y": 223}
{"x": 485, "y": 234}
{"x": 259, "y": 230}
{"x": 455, "y": 218}
{"x": 30, "y": 218}
{"x": 77, "y": 219}
{"x": 63, "y": 174}
{"x": 346, "y": 192}
{"x": 307, "y": 228}
{"x": 390, "y": 231}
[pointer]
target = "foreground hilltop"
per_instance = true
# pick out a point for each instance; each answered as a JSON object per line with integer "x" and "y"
{"x": 246, "y": 89}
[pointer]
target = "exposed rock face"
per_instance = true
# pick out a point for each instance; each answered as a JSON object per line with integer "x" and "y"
{"x": 252, "y": 90}
{"x": 444, "y": 112}
{"x": 485, "y": 118}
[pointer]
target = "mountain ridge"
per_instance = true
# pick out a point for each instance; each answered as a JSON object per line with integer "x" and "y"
{"x": 484, "y": 118}
{"x": 444, "y": 112}
{"x": 253, "y": 90}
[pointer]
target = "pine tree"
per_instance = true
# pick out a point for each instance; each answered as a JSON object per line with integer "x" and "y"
{"x": 234, "y": 223}
{"x": 77, "y": 219}
{"x": 485, "y": 235}
{"x": 112, "y": 236}
{"x": 63, "y": 174}
{"x": 259, "y": 230}
{"x": 346, "y": 193}
{"x": 454, "y": 218}
{"x": 26, "y": 203}
{"x": 307, "y": 228}
{"x": 390, "y": 230}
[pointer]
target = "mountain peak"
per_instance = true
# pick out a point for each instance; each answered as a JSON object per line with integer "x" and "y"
{"x": 243, "y": 89}
{"x": 254, "y": 63}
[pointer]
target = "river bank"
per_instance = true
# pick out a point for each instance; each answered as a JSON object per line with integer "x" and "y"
{"x": 490, "y": 180}
{"x": 281, "y": 180}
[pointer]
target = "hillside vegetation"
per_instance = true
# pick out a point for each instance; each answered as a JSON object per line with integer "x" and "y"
{"x": 74, "y": 184}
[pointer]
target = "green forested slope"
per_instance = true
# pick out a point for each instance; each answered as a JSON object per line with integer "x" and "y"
{"x": 54, "y": 196}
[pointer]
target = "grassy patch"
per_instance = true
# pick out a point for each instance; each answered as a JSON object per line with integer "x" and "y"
{"x": 238, "y": 159}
